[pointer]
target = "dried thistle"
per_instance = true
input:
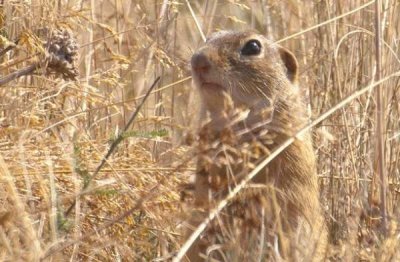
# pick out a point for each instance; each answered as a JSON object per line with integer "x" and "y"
{"x": 62, "y": 53}
{"x": 59, "y": 57}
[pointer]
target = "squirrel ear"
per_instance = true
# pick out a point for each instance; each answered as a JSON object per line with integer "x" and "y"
{"x": 290, "y": 62}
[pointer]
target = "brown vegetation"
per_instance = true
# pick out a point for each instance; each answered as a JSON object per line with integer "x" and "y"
{"x": 55, "y": 131}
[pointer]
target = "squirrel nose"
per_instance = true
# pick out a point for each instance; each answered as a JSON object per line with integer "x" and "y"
{"x": 200, "y": 63}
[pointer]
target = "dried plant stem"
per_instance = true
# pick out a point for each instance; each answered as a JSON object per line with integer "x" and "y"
{"x": 8, "y": 48}
{"x": 73, "y": 115}
{"x": 22, "y": 72}
{"x": 325, "y": 22}
{"x": 196, "y": 21}
{"x": 213, "y": 213}
{"x": 8, "y": 181}
{"x": 114, "y": 144}
{"x": 106, "y": 225}
{"x": 380, "y": 150}
{"x": 151, "y": 193}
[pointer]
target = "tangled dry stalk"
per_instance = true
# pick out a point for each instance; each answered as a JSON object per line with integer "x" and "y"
{"x": 56, "y": 125}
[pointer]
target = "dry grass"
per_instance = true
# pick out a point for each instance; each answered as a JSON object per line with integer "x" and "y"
{"x": 54, "y": 132}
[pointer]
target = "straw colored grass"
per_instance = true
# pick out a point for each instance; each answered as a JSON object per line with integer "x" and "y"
{"x": 55, "y": 130}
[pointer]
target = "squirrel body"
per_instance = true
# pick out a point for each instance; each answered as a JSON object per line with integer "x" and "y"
{"x": 251, "y": 104}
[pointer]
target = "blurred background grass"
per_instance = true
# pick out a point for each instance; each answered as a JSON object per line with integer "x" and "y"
{"x": 55, "y": 132}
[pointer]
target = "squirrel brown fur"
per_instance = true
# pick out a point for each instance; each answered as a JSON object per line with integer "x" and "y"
{"x": 251, "y": 104}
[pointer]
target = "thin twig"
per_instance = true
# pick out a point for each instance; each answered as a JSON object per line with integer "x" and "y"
{"x": 196, "y": 21}
{"x": 8, "y": 48}
{"x": 380, "y": 138}
{"x": 71, "y": 116}
{"x": 22, "y": 72}
{"x": 213, "y": 213}
{"x": 114, "y": 145}
{"x": 325, "y": 22}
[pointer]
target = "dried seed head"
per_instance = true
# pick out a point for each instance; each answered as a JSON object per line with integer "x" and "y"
{"x": 62, "y": 53}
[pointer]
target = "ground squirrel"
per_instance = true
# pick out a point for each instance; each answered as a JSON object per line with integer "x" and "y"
{"x": 251, "y": 104}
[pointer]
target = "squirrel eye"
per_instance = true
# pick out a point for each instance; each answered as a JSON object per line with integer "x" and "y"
{"x": 252, "y": 47}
